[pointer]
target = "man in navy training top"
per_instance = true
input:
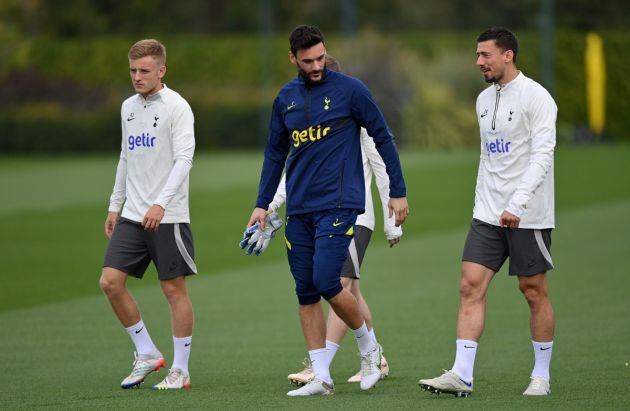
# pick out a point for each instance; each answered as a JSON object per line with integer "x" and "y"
{"x": 315, "y": 133}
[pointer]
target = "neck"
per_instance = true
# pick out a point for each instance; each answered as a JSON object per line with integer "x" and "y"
{"x": 152, "y": 92}
{"x": 508, "y": 76}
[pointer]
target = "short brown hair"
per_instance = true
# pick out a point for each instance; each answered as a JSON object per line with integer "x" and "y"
{"x": 148, "y": 47}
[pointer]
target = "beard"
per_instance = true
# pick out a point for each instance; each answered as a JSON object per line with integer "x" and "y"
{"x": 307, "y": 76}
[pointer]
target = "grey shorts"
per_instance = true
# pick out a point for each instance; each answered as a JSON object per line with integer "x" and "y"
{"x": 490, "y": 245}
{"x": 356, "y": 252}
{"x": 131, "y": 249}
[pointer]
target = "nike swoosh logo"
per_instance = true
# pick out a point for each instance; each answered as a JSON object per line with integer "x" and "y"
{"x": 131, "y": 118}
{"x": 138, "y": 331}
{"x": 337, "y": 223}
{"x": 187, "y": 344}
{"x": 545, "y": 348}
{"x": 465, "y": 346}
{"x": 468, "y": 384}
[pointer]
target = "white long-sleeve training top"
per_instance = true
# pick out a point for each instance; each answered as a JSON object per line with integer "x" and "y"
{"x": 373, "y": 165}
{"x": 517, "y": 124}
{"x": 158, "y": 143}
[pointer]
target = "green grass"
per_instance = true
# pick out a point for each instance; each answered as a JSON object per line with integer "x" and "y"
{"x": 61, "y": 346}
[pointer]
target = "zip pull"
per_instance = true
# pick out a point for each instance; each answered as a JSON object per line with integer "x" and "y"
{"x": 496, "y": 105}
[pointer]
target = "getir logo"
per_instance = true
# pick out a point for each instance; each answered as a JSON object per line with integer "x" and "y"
{"x": 498, "y": 146}
{"x": 310, "y": 134}
{"x": 141, "y": 141}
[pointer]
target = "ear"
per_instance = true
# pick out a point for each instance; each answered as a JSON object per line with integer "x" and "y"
{"x": 161, "y": 71}
{"x": 509, "y": 56}
{"x": 292, "y": 58}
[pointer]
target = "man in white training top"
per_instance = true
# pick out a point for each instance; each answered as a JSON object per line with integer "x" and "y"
{"x": 158, "y": 142}
{"x": 514, "y": 210}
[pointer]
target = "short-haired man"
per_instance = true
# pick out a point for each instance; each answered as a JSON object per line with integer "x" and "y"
{"x": 336, "y": 329}
{"x": 514, "y": 210}
{"x": 316, "y": 121}
{"x": 158, "y": 143}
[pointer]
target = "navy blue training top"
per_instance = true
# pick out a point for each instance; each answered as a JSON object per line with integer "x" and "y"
{"x": 315, "y": 128}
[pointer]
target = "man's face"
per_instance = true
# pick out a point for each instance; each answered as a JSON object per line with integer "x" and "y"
{"x": 310, "y": 62}
{"x": 146, "y": 75}
{"x": 492, "y": 61}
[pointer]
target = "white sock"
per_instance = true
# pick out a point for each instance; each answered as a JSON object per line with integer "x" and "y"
{"x": 373, "y": 336}
{"x": 465, "y": 359}
{"x": 364, "y": 341}
{"x": 141, "y": 339}
{"x": 319, "y": 362}
{"x": 181, "y": 353}
{"x": 542, "y": 359}
{"x": 331, "y": 350}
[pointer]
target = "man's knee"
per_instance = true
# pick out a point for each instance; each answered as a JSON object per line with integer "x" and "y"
{"x": 470, "y": 289}
{"x": 534, "y": 290}
{"x": 174, "y": 288}
{"x": 474, "y": 282}
{"x": 112, "y": 281}
{"x": 328, "y": 287}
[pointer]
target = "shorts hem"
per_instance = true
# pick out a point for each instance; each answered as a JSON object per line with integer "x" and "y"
{"x": 468, "y": 260}
{"x": 139, "y": 276}
{"x": 309, "y": 300}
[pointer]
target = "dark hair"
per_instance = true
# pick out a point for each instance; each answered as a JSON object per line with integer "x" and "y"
{"x": 304, "y": 37}
{"x": 503, "y": 38}
{"x": 332, "y": 63}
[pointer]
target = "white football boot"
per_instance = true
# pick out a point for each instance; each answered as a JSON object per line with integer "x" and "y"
{"x": 143, "y": 365}
{"x": 370, "y": 368}
{"x": 448, "y": 383}
{"x": 313, "y": 387}
{"x": 384, "y": 371}
{"x": 538, "y": 386}
{"x": 303, "y": 377}
{"x": 175, "y": 380}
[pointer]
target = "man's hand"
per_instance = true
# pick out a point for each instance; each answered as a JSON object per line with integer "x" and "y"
{"x": 258, "y": 238}
{"x": 258, "y": 216}
{"x": 153, "y": 217}
{"x": 509, "y": 220}
{"x": 399, "y": 208}
{"x": 393, "y": 241}
{"x": 110, "y": 223}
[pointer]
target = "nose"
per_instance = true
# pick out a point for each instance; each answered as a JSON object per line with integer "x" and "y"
{"x": 318, "y": 65}
{"x": 479, "y": 61}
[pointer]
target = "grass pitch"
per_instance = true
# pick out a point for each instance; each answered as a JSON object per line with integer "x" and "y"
{"x": 62, "y": 348}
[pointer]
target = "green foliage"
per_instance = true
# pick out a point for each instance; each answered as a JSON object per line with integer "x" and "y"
{"x": 64, "y": 95}
{"x": 138, "y": 17}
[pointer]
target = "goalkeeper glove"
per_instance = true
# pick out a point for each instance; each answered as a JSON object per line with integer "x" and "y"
{"x": 257, "y": 240}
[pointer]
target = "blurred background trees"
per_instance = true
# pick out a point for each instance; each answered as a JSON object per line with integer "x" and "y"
{"x": 63, "y": 66}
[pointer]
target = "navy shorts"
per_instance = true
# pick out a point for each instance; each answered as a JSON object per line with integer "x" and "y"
{"x": 132, "y": 248}
{"x": 490, "y": 245}
{"x": 317, "y": 246}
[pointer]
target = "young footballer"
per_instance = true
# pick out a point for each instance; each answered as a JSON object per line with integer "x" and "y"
{"x": 148, "y": 217}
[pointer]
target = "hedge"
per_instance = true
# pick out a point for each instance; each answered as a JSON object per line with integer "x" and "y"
{"x": 64, "y": 95}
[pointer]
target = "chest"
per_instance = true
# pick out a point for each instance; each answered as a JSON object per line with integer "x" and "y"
{"x": 314, "y": 107}
{"x": 502, "y": 112}
{"x": 146, "y": 127}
